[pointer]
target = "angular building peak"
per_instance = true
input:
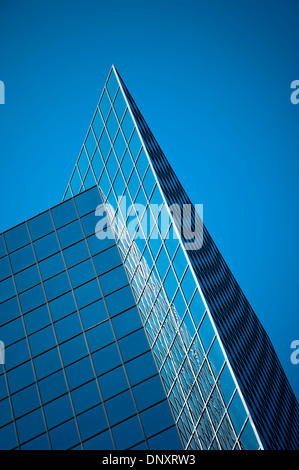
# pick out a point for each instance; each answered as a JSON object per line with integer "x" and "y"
{"x": 120, "y": 332}
{"x": 127, "y": 160}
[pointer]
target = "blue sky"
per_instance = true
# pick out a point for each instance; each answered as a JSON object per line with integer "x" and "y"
{"x": 213, "y": 82}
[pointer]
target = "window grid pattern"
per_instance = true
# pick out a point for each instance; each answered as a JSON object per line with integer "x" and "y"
{"x": 176, "y": 333}
{"x": 272, "y": 404}
{"x": 78, "y": 362}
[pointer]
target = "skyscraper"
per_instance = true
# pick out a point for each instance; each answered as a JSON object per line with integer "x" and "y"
{"x": 120, "y": 332}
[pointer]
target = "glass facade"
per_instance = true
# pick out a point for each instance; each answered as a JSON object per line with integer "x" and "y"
{"x": 206, "y": 402}
{"x": 116, "y": 336}
{"x": 79, "y": 372}
{"x": 260, "y": 376}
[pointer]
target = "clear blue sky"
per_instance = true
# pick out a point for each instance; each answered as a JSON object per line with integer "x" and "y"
{"x": 212, "y": 79}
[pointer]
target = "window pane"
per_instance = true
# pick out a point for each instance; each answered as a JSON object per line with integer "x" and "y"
{"x": 113, "y": 280}
{"x": 51, "y": 266}
{"x": 157, "y": 418}
{"x": 46, "y": 246}
{"x": 37, "y": 319}
{"x": 127, "y": 125}
{"x": 135, "y": 145}
{"x": 2, "y": 246}
{"x": 112, "y": 165}
{"x": 107, "y": 259}
{"x": 134, "y": 344}
{"x": 119, "y": 105}
{"x": 20, "y": 377}
{"x": 89, "y": 179}
{"x": 97, "y": 125}
{"x": 83, "y": 163}
{"x": 188, "y": 285}
{"x": 79, "y": 372}
{"x": 197, "y": 308}
{"x": 64, "y": 213}
{"x": 106, "y": 359}
{"x": 86, "y": 396}
{"x": 149, "y": 183}
{"x": 76, "y": 181}
{"x": 57, "y": 285}
{"x": 73, "y": 350}
{"x": 22, "y": 258}
{"x": 27, "y": 278}
{"x": 112, "y": 85}
{"x": 101, "y": 442}
{"x": 237, "y": 412}
{"x": 216, "y": 357}
{"x": 112, "y": 125}
{"x": 7, "y": 289}
{"x": 87, "y": 293}
{"x": 113, "y": 383}
{"x": 127, "y": 165}
{"x": 64, "y": 436}
{"x": 120, "y": 300}
{"x": 47, "y": 363}
{"x": 167, "y": 440}
{"x": 248, "y": 439}
{"x": 162, "y": 263}
{"x": 127, "y": 433}
{"x": 120, "y": 407}
{"x": 4, "y": 268}
{"x": 99, "y": 336}
{"x": 30, "y": 425}
{"x": 90, "y": 144}
{"x": 97, "y": 164}
{"x": 180, "y": 263}
{"x": 58, "y": 411}
{"x": 9, "y": 310}
{"x": 32, "y": 298}
{"x": 142, "y": 163}
{"x": 39, "y": 443}
{"x": 119, "y": 145}
{"x": 206, "y": 332}
{"x": 126, "y": 322}
{"x": 68, "y": 327}
{"x": 7, "y": 437}
{"x": 5, "y": 412}
{"x": 76, "y": 253}
{"x": 88, "y": 201}
{"x": 16, "y": 354}
{"x": 42, "y": 340}
{"x": 81, "y": 273}
{"x": 104, "y": 145}
{"x": 93, "y": 314}
{"x": 141, "y": 368}
{"x": 16, "y": 237}
{"x": 62, "y": 306}
{"x": 105, "y": 105}
{"x": 89, "y": 223}
{"x": 52, "y": 387}
{"x": 148, "y": 393}
{"x": 92, "y": 422}
{"x": 40, "y": 225}
{"x": 70, "y": 234}
{"x": 104, "y": 184}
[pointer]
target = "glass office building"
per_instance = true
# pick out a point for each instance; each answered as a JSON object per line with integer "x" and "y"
{"x": 116, "y": 335}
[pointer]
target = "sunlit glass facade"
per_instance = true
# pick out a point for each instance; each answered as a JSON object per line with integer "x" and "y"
{"x": 121, "y": 154}
{"x": 207, "y": 404}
